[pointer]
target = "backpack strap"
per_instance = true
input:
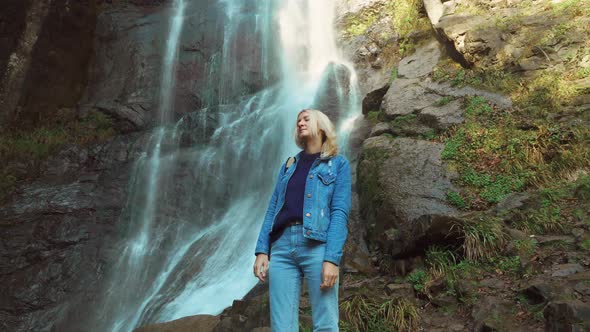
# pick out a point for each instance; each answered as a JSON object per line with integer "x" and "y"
{"x": 289, "y": 162}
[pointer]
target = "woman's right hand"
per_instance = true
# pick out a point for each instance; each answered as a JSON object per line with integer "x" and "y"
{"x": 261, "y": 267}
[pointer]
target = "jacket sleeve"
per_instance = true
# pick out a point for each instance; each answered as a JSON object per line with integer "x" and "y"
{"x": 339, "y": 211}
{"x": 262, "y": 245}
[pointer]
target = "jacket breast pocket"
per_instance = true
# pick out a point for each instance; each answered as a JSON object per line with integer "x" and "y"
{"x": 325, "y": 185}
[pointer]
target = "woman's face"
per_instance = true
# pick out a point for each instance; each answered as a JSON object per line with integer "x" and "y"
{"x": 303, "y": 126}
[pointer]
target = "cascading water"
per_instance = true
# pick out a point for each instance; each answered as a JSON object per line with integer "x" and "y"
{"x": 193, "y": 214}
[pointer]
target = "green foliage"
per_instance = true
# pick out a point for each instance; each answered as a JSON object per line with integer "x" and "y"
{"x": 418, "y": 279}
{"x": 456, "y": 200}
{"x": 453, "y": 144}
{"x": 360, "y": 313}
{"x": 525, "y": 247}
{"x": 502, "y": 186}
{"x": 582, "y": 73}
{"x": 357, "y": 311}
{"x": 585, "y": 244}
{"x": 484, "y": 238}
{"x": 393, "y": 75}
{"x": 508, "y": 265}
{"x": 477, "y": 106}
{"x": 546, "y": 219}
{"x": 441, "y": 261}
{"x": 398, "y": 315}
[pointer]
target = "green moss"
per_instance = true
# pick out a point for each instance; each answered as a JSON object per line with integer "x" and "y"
{"x": 456, "y": 200}
{"x": 393, "y": 75}
{"x": 370, "y": 190}
{"x": 477, "y": 106}
{"x": 429, "y": 135}
{"x": 30, "y": 148}
{"x": 402, "y": 119}
{"x": 375, "y": 116}
{"x": 357, "y": 24}
{"x": 444, "y": 100}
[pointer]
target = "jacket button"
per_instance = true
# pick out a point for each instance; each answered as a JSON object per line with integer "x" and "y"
{"x": 308, "y": 195}
{"x": 308, "y": 214}
{"x": 308, "y": 232}
{"x": 311, "y": 176}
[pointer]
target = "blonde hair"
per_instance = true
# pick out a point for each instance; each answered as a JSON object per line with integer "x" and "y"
{"x": 318, "y": 123}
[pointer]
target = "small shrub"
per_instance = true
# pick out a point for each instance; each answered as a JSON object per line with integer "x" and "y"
{"x": 399, "y": 315}
{"x": 508, "y": 265}
{"x": 484, "y": 238}
{"x": 357, "y": 311}
{"x": 526, "y": 246}
{"x": 440, "y": 261}
{"x": 418, "y": 279}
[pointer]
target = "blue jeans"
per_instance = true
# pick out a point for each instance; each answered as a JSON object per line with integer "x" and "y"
{"x": 294, "y": 257}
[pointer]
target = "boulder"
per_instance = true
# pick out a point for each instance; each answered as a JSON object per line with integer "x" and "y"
{"x": 402, "y": 184}
{"x": 380, "y": 129}
{"x": 421, "y": 62}
{"x": 201, "y": 323}
{"x": 492, "y": 313}
{"x": 406, "y": 96}
{"x": 443, "y": 117}
{"x": 567, "y": 316}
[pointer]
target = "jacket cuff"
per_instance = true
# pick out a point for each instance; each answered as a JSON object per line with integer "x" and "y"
{"x": 333, "y": 259}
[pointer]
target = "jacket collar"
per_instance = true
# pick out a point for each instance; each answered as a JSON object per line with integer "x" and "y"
{"x": 298, "y": 156}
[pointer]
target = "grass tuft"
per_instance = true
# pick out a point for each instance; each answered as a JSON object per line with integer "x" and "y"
{"x": 484, "y": 238}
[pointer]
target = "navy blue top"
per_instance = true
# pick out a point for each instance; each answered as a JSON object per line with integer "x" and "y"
{"x": 293, "y": 207}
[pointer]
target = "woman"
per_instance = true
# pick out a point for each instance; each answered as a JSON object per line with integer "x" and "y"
{"x": 304, "y": 228}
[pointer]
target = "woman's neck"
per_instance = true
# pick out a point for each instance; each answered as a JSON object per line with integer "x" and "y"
{"x": 313, "y": 146}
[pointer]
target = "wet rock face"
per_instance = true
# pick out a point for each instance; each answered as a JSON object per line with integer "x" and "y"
{"x": 56, "y": 233}
{"x": 116, "y": 62}
{"x": 127, "y": 85}
{"x": 334, "y": 93}
{"x": 45, "y": 71}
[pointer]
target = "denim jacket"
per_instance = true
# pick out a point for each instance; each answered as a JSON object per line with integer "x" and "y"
{"x": 325, "y": 208}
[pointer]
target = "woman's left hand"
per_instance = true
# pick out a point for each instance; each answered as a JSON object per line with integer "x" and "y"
{"x": 329, "y": 275}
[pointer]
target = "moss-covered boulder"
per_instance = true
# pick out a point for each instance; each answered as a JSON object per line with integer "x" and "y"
{"x": 403, "y": 185}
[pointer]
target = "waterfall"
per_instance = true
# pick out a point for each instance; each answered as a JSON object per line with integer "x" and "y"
{"x": 193, "y": 214}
